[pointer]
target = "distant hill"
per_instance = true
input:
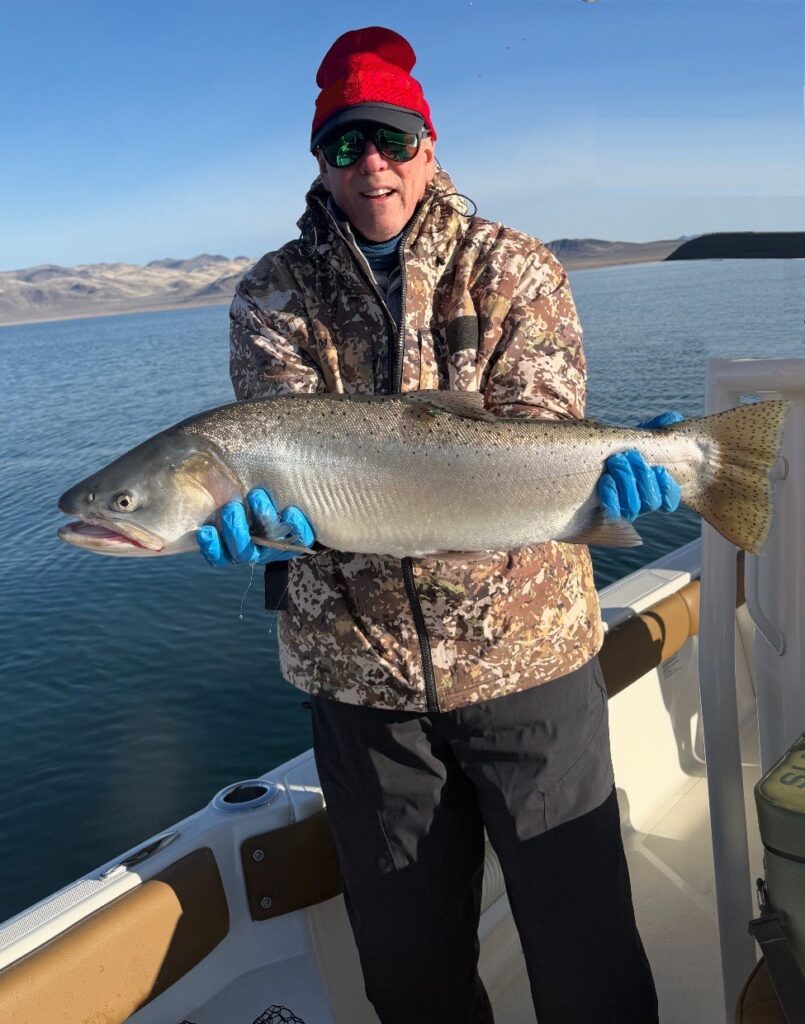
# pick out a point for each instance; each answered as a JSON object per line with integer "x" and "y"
{"x": 578, "y": 253}
{"x": 743, "y": 245}
{"x": 51, "y": 292}
{"x": 196, "y": 263}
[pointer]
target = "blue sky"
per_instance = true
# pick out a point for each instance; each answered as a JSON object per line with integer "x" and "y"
{"x": 134, "y": 131}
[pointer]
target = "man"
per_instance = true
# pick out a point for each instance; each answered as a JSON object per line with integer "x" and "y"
{"x": 446, "y": 696}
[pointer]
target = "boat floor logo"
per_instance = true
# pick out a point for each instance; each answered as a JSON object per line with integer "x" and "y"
{"x": 273, "y": 1015}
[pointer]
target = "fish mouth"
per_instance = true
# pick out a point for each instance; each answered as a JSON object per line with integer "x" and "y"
{"x": 98, "y": 536}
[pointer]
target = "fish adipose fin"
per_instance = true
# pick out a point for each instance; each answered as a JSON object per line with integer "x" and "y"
{"x": 603, "y": 529}
{"x": 738, "y": 500}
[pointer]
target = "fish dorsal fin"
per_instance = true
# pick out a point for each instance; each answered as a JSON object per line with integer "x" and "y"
{"x": 467, "y": 404}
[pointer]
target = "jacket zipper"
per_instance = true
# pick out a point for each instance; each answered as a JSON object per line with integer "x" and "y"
{"x": 406, "y": 564}
{"x": 421, "y": 633}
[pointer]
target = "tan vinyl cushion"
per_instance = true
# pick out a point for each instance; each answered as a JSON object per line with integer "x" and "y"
{"x": 111, "y": 964}
{"x": 757, "y": 1003}
{"x": 645, "y": 641}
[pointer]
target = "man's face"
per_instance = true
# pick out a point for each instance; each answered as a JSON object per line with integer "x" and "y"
{"x": 377, "y": 194}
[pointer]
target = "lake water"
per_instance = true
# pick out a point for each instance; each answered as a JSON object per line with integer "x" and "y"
{"x": 132, "y": 690}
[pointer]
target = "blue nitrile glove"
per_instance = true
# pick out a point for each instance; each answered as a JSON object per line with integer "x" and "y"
{"x": 630, "y": 486}
{"x": 234, "y": 544}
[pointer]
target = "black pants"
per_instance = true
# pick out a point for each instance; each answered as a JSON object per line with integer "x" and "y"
{"x": 409, "y": 795}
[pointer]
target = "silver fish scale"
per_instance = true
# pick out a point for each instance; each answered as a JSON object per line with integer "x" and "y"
{"x": 366, "y": 472}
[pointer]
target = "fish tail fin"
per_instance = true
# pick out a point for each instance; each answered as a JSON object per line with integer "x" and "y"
{"x": 737, "y": 500}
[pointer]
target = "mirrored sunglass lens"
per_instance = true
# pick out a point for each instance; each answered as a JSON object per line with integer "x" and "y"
{"x": 398, "y": 146}
{"x": 344, "y": 150}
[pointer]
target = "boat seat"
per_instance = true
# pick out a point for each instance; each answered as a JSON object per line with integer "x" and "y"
{"x": 757, "y": 1003}
{"x": 113, "y": 962}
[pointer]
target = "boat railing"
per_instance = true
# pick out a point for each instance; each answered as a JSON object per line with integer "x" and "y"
{"x": 776, "y": 599}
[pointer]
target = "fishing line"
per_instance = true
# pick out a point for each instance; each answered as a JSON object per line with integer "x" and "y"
{"x": 248, "y": 588}
{"x": 245, "y": 594}
{"x": 279, "y": 604}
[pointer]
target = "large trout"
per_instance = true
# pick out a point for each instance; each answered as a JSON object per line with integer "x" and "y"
{"x": 425, "y": 473}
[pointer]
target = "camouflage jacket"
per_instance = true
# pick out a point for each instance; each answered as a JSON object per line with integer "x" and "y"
{"x": 484, "y": 308}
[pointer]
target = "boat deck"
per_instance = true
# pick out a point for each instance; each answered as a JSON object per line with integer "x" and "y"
{"x": 671, "y": 868}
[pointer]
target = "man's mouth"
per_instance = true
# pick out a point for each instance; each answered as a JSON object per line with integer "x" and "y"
{"x": 378, "y": 195}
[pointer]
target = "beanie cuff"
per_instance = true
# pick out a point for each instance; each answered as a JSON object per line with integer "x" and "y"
{"x": 381, "y": 113}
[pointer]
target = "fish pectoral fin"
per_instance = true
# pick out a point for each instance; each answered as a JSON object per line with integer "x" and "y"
{"x": 602, "y": 529}
{"x": 282, "y": 545}
{"x": 467, "y": 404}
{"x": 279, "y": 535}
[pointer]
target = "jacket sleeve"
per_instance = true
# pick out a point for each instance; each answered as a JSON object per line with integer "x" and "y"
{"x": 539, "y": 369}
{"x": 270, "y": 349}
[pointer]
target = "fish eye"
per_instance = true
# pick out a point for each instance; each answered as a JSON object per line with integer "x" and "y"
{"x": 122, "y": 502}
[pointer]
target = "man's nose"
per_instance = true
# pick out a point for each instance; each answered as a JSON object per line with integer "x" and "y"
{"x": 372, "y": 159}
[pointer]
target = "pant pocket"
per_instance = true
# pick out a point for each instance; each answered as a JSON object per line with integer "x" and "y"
{"x": 589, "y": 780}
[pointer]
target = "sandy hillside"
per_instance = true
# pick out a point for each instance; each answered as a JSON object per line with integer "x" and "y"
{"x": 50, "y": 292}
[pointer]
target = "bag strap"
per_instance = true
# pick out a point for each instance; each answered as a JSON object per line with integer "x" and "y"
{"x": 784, "y": 971}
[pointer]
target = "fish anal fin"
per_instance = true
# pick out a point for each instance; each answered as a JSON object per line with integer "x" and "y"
{"x": 459, "y": 556}
{"x": 603, "y": 529}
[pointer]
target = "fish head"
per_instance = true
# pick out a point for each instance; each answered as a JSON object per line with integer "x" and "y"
{"x": 152, "y": 500}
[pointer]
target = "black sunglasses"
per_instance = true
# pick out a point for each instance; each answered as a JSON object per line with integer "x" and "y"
{"x": 347, "y": 147}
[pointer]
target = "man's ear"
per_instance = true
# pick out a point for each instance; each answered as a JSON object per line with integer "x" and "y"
{"x": 324, "y": 168}
{"x": 430, "y": 159}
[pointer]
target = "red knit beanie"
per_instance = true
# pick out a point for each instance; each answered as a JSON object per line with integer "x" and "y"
{"x": 369, "y": 68}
